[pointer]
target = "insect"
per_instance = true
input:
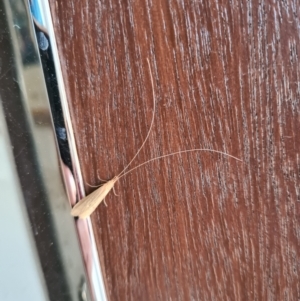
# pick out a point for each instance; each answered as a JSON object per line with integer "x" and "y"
{"x": 86, "y": 206}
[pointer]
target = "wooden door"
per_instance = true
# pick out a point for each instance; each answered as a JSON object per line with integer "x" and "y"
{"x": 199, "y": 226}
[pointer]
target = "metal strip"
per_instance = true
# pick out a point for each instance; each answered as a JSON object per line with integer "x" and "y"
{"x": 84, "y": 227}
{"x": 44, "y": 161}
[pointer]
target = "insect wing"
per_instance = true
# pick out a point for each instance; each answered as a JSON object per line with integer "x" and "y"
{"x": 87, "y": 205}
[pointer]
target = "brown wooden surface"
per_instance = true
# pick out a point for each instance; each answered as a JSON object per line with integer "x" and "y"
{"x": 227, "y": 77}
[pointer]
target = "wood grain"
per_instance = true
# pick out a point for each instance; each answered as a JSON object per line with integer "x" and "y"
{"x": 198, "y": 226}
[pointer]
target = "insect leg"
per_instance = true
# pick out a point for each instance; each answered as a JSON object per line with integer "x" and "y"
{"x": 115, "y": 192}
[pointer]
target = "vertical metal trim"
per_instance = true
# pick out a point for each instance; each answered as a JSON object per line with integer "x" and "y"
{"x": 84, "y": 227}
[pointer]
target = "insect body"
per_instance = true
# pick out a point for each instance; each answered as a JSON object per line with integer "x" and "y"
{"x": 87, "y": 205}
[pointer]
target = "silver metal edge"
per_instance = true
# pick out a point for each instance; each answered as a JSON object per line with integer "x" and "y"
{"x": 93, "y": 268}
{"x": 34, "y": 148}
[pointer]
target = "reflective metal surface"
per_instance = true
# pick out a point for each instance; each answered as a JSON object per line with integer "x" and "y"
{"x": 39, "y": 166}
{"x": 21, "y": 276}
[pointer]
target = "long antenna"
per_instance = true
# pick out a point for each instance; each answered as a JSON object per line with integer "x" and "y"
{"x": 154, "y": 102}
{"x": 180, "y": 152}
